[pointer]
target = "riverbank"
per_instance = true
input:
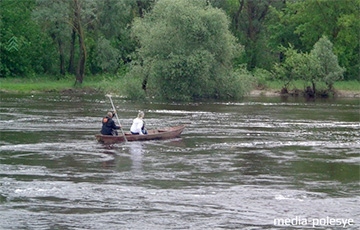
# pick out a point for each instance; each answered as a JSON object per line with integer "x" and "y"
{"x": 277, "y": 93}
{"x": 111, "y": 84}
{"x": 347, "y": 89}
{"x": 92, "y": 84}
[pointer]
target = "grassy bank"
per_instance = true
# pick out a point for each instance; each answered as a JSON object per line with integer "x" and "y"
{"x": 103, "y": 83}
{"x": 119, "y": 85}
{"x": 339, "y": 85}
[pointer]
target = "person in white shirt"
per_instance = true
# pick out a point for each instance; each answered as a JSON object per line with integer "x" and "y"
{"x": 138, "y": 125}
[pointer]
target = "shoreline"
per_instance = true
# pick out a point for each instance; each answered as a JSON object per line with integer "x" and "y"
{"x": 253, "y": 93}
{"x": 103, "y": 84}
{"x": 277, "y": 93}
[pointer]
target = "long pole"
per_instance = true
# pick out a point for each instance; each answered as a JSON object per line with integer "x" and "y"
{"x": 109, "y": 96}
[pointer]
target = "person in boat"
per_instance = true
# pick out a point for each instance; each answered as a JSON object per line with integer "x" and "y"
{"x": 138, "y": 125}
{"x": 108, "y": 125}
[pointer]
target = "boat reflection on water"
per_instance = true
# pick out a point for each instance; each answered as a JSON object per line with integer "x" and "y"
{"x": 132, "y": 157}
{"x": 110, "y": 151}
{"x": 136, "y": 156}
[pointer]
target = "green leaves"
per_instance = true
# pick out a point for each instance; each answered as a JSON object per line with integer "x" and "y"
{"x": 186, "y": 50}
{"x": 24, "y": 48}
{"x": 330, "y": 70}
{"x": 320, "y": 65}
{"x": 302, "y": 23}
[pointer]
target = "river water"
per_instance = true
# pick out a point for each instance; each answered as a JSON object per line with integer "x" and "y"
{"x": 248, "y": 164}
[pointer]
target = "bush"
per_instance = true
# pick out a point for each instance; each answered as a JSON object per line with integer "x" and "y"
{"x": 261, "y": 77}
{"x": 133, "y": 89}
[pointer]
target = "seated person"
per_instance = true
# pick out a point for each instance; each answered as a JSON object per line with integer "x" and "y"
{"x": 108, "y": 125}
{"x": 138, "y": 125}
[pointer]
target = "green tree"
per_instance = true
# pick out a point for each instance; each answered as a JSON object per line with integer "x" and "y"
{"x": 52, "y": 16}
{"x": 248, "y": 19}
{"x": 186, "y": 51}
{"x": 61, "y": 18}
{"x": 112, "y": 43}
{"x": 109, "y": 42}
{"x": 319, "y": 65}
{"x": 297, "y": 65}
{"x": 303, "y": 23}
{"x": 307, "y": 67}
{"x": 24, "y": 48}
{"x": 330, "y": 70}
{"x": 281, "y": 29}
{"x": 284, "y": 71}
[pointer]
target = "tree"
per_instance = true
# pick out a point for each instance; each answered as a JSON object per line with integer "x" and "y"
{"x": 284, "y": 71}
{"x": 61, "y": 18}
{"x": 110, "y": 44}
{"x": 248, "y": 19}
{"x": 281, "y": 29}
{"x": 298, "y": 65}
{"x": 25, "y": 49}
{"x": 52, "y": 16}
{"x": 319, "y": 65}
{"x": 80, "y": 71}
{"x": 112, "y": 40}
{"x": 307, "y": 68}
{"x": 330, "y": 70}
{"x": 186, "y": 51}
{"x": 303, "y": 23}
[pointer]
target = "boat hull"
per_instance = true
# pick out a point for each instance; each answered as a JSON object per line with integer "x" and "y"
{"x": 154, "y": 134}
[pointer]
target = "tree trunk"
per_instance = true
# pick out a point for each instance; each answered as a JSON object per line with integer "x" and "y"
{"x": 141, "y": 13}
{"x": 62, "y": 57}
{"x": 313, "y": 87}
{"x": 251, "y": 35}
{"x": 144, "y": 83}
{"x": 237, "y": 15}
{"x": 82, "y": 59}
{"x": 80, "y": 72}
{"x": 330, "y": 87}
{"x": 61, "y": 53}
{"x": 250, "y": 11}
{"x": 256, "y": 17}
{"x": 72, "y": 52}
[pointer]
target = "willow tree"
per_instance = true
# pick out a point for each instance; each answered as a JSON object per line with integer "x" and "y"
{"x": 330, "y": 70}
{"x": 186, "y": 52}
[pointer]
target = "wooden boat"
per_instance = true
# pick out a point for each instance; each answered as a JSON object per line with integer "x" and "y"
{"x": 153, "y": 134}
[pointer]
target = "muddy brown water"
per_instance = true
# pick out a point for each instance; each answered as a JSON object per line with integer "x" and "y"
{"x": 237, "y": 165}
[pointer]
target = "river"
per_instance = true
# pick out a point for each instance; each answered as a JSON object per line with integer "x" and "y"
{"x": 249, "y": 164}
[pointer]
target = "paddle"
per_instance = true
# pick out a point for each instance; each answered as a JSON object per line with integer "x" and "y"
{"x": 109, "y": 96}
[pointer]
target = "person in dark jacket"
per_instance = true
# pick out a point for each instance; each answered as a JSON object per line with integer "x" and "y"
{"x": 108, "y": 125}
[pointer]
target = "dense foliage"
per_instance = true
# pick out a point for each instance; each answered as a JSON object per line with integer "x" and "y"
{"x": 319, "y": 65}
{"x": 24, "y": 48}
{"x": 330, "y": 70}
{"x": 186, "y": 51}
{"x": 79, "y": 37}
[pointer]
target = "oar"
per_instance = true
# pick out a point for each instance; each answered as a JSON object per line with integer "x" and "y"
{"x": 109, "y": 96}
